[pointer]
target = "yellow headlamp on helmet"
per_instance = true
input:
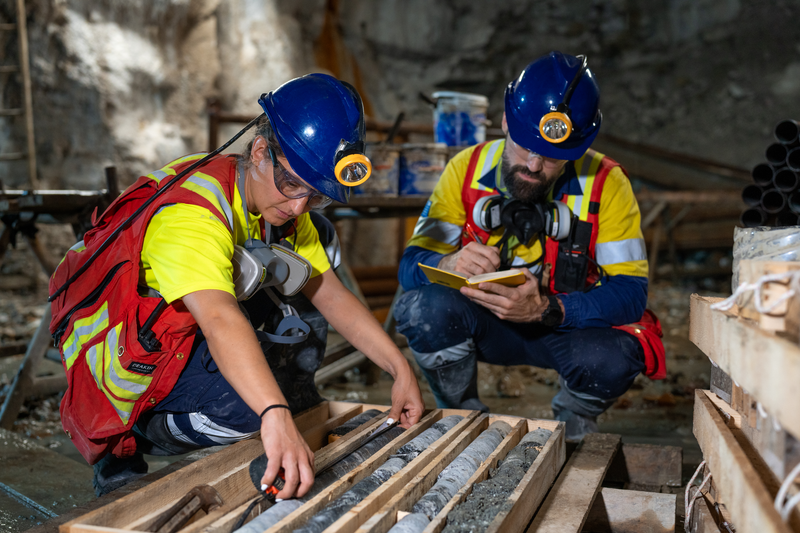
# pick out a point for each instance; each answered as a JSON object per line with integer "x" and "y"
{"x": 556, "y": 126}
{"x": 353, "y": 169}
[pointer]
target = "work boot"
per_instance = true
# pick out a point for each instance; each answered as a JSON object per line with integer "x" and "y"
{"x": 455, "y": 384}
{"x": 113, "y": 472}
{"x": 578, "y": 411}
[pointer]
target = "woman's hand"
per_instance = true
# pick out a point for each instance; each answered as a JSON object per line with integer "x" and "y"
{"x": 407, "y": 404}
{"x": 286, "y": 448}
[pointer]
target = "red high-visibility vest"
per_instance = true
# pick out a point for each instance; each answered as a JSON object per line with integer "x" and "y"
{"x": 648, "y": 329}
{"x": 112, "y": 379}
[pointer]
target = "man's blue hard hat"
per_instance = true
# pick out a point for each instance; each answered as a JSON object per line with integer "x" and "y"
{"x": 311, "y": 116}
{"x": 539, "y": 90}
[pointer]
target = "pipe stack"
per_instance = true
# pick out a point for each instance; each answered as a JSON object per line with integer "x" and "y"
{"x": 773, "y": 199}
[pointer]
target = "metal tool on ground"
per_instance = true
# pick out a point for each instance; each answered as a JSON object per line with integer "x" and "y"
{"x": 202, "y": 497}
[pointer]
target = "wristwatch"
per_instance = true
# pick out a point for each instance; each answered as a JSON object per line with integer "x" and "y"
{"x": 553, "y": 315}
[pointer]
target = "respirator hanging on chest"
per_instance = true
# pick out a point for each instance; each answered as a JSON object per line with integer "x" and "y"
{"x": 257, "y": 265}
{"x": 523, "y": 220}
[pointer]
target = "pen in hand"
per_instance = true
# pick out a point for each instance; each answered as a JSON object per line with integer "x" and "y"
{"x": 471, "y": 232}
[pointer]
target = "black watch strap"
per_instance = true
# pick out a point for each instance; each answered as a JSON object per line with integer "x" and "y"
{"x": 553, "y": 316}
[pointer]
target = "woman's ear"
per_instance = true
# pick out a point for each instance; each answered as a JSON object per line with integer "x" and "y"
{"x": 259, "y": 151}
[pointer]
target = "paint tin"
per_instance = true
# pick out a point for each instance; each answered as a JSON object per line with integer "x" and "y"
{"x": 421, "y": 165}
{"x": 385, "y": 177}
{"x": 459, "y": 119}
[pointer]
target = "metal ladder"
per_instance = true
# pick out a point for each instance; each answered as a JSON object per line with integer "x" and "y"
{"x": 23, "y": 68}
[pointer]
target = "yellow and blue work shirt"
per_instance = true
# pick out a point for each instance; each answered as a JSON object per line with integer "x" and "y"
{"x": 620, "y": 247}
{"x": 187, "y": 248}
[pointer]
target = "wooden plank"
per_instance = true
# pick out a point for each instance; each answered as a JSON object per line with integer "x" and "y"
{"x": 766, "y": 365}
{"x": 317, "y": 437}
{"x": 551, "y": 463}
{"x": 313, "y": 506}
{"x": 750, "y": 270}
{"x": 225, "y": 470}
{"x": 534, "y": 484}
{"x": 631, "y": 511}
{"x": 338, "y": 368}
{"x": 737, "y": 482}
{"x": 650, "y": 466}
{"x": 407, "y": 496}
{"x": 359, "y": 514}
{"x": 568, "y": 503}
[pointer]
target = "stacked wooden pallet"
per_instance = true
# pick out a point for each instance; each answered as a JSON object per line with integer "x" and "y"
{"x": 575, "y": 502}
{"x": 747, "y": 429}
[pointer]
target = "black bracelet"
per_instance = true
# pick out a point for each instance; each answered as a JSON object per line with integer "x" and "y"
{"x": 272, "y": 407}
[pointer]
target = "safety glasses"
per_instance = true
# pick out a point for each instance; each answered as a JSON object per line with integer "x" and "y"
{"x": 291, "y": 186}
{"x": 527, "y": 155}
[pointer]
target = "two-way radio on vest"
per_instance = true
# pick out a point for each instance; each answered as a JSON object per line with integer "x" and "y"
{"x": 128, "y": 221}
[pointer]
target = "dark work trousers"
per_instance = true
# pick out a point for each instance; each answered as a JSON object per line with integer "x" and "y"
{"x": 600, "y": 363}
{"x": 204, "y": 410}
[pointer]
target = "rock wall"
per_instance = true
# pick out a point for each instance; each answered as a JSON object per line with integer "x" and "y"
{"x": 126, "y": 82}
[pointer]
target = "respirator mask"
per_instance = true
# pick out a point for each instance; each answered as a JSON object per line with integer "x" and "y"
{"x": 523, "y": 220}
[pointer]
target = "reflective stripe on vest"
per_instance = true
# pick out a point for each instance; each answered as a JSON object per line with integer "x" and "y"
{"x": 168, "y": 169}
{"x": 210, "y": 189}
{"x": 122, "y": 388}
{"x": 83, "y": 331}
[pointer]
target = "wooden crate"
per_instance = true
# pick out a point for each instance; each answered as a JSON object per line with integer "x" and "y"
{"x": 227, "y": 472}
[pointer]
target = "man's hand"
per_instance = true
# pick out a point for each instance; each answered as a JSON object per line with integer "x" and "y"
{"x": 286, "y": 448}
{"x": 472, "y": 259}
{"x": 407, "y": 404}
{"x": 523, "y": 303}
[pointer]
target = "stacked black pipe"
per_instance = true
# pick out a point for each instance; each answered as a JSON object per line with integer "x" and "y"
{"x": 774, "y": 197}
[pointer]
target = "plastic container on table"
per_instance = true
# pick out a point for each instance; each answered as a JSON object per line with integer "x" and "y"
{"x": 459, "y": 119}
{"x": 421, "y": 165}
{"x": 385, "y": 179}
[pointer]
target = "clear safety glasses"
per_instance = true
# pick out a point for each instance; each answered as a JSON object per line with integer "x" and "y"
{"x": 528, "y": 156}
{"x": 291, "y": 186}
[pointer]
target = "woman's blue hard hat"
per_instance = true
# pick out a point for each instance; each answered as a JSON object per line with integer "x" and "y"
{"x": 539, "y": 90}
{"x": 310, "y": 117}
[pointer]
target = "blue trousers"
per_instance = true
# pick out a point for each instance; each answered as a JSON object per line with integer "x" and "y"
{"x": 601, "y": 362}
{"x": 204, "y": 410}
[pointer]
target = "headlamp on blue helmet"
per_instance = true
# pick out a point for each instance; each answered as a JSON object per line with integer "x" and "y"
{"x": 318, "y": 122}
{"x": 552, "y": 108}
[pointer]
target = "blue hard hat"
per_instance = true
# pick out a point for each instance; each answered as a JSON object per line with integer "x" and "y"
{"x": 311, "y": 116}
{"x": 539, "y": 90}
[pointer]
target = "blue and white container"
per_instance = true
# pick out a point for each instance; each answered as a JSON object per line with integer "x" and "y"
{"x": 459, "y": 118}
{"x": 421, "y": 165}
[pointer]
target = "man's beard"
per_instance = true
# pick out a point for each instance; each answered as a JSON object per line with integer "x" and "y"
{"x": 531, "y": 192}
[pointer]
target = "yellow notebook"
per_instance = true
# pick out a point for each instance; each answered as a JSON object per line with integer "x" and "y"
{"x": 456, "y": 280}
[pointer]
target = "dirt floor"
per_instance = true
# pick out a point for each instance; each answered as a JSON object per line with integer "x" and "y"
{"x": 652, "y": 412}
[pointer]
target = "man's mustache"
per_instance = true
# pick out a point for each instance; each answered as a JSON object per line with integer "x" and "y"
{"x": 522, "y": 169}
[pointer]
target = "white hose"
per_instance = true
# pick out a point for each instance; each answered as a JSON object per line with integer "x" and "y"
{"x": 792, "y": 277}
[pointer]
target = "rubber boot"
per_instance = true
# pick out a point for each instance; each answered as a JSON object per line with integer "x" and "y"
{"x": 578, "y": 411}
{"x": 112, "y": 472}
{"x": 154, "y": 437}
{"x": 455, "y": 384}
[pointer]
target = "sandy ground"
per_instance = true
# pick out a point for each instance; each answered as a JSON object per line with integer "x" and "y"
{"x": 657, "y": 412}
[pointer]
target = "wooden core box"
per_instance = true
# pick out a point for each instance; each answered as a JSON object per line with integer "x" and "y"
{"x": 227, "y": 472}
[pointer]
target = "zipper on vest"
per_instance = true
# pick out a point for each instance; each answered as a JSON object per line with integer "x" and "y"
{"x": 86, "y": 302}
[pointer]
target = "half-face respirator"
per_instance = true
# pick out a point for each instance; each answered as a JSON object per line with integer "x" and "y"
{"x": 523, "y": 220}
{"x": 257, "y": 265}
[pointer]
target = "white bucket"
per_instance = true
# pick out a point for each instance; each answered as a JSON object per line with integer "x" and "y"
{"x": 421, "y": 166}
{"x": 385, "y": 177}
{"x": 459, "y": 118}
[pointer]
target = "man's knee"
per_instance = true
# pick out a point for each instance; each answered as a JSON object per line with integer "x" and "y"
{"x": 604, "y": 364}
{"x": 433, "y": 317}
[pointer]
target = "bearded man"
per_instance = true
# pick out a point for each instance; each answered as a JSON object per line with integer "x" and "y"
{"x": 542, "y": 201}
